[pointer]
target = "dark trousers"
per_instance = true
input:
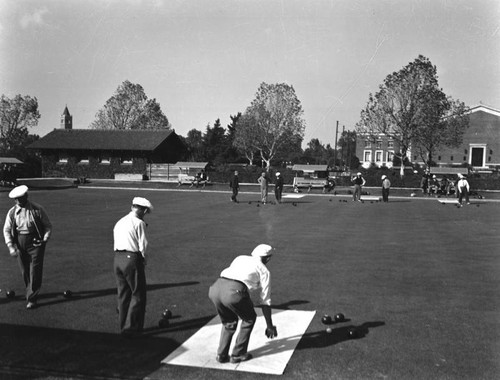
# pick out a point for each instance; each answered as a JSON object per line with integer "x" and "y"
{"x": 232, "y": 301}
{"x": 463, "y": 193}
{"x": 131, "y": 284}
{"x": 235, "y": 194}
{"x": 30, "y": 261}
{"x": 277, "y": 193}
{"x": 356, "y": 196}
{"x": 385, "y": 194}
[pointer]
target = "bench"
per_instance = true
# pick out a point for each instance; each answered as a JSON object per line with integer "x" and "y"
{"x": 128, "y": 177}
{"x": 447, "y": 171}
{"x": 186, "y": 179}
{"x": 309, "y": 183}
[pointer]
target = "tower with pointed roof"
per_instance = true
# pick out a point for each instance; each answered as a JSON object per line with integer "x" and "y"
{"x": 66, "y": 119}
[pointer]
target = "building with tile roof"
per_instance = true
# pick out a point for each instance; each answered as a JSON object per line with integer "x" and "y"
{"x": 92, "y": 153}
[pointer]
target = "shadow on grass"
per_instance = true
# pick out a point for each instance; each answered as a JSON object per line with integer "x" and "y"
{"x": 317, "y": 339}
{"x": 86, "y": 294}
{"x": 286, "y": 305}
{"x": 197, "y": 323}
{"x": 32, "y": 350}
{"x": 340, "y": 334}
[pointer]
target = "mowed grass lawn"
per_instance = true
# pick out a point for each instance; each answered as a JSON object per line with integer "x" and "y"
{"x": 420, "y": 279}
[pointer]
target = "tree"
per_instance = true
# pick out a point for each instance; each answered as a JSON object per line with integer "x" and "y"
{"x": 231, "y": 154}
{"x": 214, "y": 143}
{"x": 408, "y": 103}
{"x": 194, "y": 141}
{"x": 347, "y": 144}
{"x": 16, "y": 116}
{"x": 245, "y": 136}
{"x": 271, "y": 120}
{"x": 315, "y": 152}
{"x": 130, "y": 108}
{"x": 445, "y": 129}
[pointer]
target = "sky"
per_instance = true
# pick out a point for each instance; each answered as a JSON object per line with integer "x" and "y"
{"x": 205, "y": 60}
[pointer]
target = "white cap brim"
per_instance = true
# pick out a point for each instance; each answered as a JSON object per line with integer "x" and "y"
{"x": 18, "y": 192}
{"x": 262, "y": 250}
{"x": 143, "y": 202}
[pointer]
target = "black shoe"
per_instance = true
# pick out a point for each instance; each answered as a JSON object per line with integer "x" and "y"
{"x": 222, "y": 358}
{"x": 241, "y": 358}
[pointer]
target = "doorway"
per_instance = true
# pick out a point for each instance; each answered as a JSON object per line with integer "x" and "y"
{"x": 477, "y": 157}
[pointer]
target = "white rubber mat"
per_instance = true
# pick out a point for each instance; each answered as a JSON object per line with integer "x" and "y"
{"x": 270, "y": 356}
{"x": 293, "y": 196}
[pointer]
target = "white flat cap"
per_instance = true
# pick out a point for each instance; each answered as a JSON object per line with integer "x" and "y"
{"x": 278, "y": 174}
{"x": 384, "y": 176}
{"x": 262, "y": 250}
{"x": 18, "y": 191}
{"x": 358, "y": 174}
{"x": 143, "y": 202}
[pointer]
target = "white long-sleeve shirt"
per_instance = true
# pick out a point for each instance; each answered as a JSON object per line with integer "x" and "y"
{"x": 463, "y": 183}
{"x": 130, "y": 234}
{"x": 253, "y": 273}
{"x": 30, "y": 218}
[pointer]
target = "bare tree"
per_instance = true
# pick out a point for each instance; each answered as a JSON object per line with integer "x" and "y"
{"x": 274, "y": 116}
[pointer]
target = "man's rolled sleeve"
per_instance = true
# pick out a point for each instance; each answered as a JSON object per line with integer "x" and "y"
{"x": 265, "y": 282}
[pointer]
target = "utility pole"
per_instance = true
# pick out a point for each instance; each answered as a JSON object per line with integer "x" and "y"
{"x": 343, "y": 143}
{"x": 335, "y": 155}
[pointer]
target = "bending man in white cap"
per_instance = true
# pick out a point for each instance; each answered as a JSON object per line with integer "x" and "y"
{"x": 231, "y": 296}
{"x": 26, "y": 231}
{"x": 130, "y": 244}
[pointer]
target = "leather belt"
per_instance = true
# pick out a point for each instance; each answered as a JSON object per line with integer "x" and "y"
{"x": 232, "y": 279}
{"x": 125, "y": 251}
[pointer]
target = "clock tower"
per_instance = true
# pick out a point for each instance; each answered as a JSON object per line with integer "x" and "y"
{"x": 66, "y": 119}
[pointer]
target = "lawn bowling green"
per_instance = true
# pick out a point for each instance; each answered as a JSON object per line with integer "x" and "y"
{"x": 418, "y": 279}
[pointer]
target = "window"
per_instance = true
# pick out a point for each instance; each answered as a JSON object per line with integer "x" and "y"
{"x": 126, "y": 160}
{"x": 390, "y": 156}
{"x": 368, "y": 144}
{"x": 465, "y": 158}
{"x": 367, "y": 156}
{"x": 451, "y": 158}
{"x": 439, "y": 158}
{"x": 104, "y": 160}
{"x": 378, "y": 156}
{"x": 379, "y": 145}
{"x": 390, "y": 144}
{"x": 84, "y": 161}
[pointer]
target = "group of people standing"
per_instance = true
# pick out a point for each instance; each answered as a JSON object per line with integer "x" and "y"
{"x": 27, "y": 230}
{"x": 263, "y": 181}
{"x": 430, "y": 184}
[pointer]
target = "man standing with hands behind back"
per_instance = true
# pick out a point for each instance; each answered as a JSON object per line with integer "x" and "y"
{"x": 234, "y": 184}
{"x": 26, "y": 231}
{"x": 230, "y": 294}
{"x": 130, "y": 246}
